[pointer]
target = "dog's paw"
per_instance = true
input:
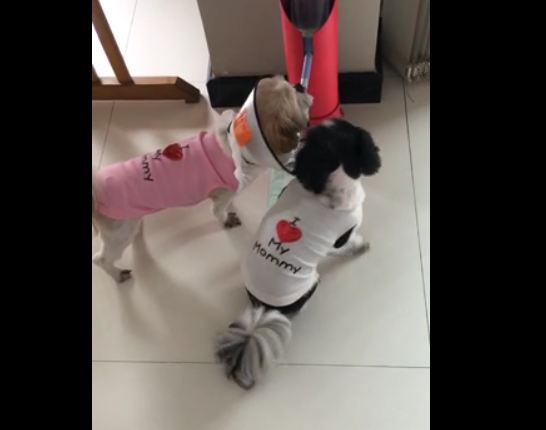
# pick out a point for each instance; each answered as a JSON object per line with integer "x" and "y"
{"x": 361, "y": 248}
{"x": 124, "y": 275}
{"x": 232, "y": 220}
{"x": 358, "y": 245}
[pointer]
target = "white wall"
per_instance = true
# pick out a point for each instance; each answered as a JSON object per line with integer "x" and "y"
{"x": 358, "y": 26}
{"x": 399, "y": 25}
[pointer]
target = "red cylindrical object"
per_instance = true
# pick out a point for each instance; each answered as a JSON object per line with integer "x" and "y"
{"x": 323, "y": 83}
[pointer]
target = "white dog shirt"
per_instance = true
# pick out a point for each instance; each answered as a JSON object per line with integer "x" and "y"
{"x": 294, "y": 236}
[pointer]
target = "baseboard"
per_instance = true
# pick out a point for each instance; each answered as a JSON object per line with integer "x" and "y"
{"x": 355, "y": 87}
{"x": 363, "y": 87}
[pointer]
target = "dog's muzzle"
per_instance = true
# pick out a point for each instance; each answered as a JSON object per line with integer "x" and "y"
{"x": 299, "y": 88}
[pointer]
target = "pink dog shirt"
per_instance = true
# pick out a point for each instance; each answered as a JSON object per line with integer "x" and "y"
{"x": 182, "y": 174}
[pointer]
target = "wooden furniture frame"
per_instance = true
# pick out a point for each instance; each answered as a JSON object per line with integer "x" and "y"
{"x": 124, "y": 86}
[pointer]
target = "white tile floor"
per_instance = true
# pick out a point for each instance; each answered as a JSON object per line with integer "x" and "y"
{"x": 360, "y": 357}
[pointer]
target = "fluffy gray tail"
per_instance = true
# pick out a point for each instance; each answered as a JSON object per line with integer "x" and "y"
{"x": 252, "y": 343}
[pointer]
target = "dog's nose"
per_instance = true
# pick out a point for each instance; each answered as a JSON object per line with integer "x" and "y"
{"x": 299, "y": 88}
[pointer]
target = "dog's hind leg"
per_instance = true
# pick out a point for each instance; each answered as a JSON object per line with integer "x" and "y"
{"x": 115, "y": 236}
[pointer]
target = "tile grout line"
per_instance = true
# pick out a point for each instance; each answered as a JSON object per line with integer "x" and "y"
{"x": 130, "y": 28}
{"x": 104, "y": 143}
{"x": 364, "y": 366}
{"x": 103, "y": 146}
{"x": 415, "y": 207}
{"x": 208, "y": 363}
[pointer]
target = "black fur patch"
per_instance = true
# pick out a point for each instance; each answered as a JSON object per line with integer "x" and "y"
{"x": 332, "y": 143}
{"x": 342, "y": 240}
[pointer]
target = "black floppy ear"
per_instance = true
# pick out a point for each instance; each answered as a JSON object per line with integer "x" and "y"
{"x": 314, "y": 162}
{"x": 370, "y": 162}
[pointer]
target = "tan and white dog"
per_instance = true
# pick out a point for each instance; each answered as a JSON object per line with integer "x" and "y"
{"x": 216, "y": 164}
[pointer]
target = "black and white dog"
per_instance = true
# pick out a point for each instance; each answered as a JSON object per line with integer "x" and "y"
{"x": 317, "y": 214}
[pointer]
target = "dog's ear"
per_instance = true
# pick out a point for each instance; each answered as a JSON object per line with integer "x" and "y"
{"x": 315, "y": 161}
{"x": 289, "y": 122}
{"x": 359, "y": 154}
{"x": 282, "y": 114}
{"x": 368, "y": 153}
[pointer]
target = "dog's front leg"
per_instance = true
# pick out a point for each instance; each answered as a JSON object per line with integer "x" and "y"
{"x": 116, "y": 236}
{"x": 223, "y": 208}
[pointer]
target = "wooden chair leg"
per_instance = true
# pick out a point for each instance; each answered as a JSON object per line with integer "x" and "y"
{"x": 94, "y": 78}
{"x": 147, "y": 88}
{"x": 109, "y": 44}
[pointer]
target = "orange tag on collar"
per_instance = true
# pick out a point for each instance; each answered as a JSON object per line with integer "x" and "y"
{"x": 241, "y": 129}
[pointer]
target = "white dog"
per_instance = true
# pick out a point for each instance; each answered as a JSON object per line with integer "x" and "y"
{"x": 214, "y": 164}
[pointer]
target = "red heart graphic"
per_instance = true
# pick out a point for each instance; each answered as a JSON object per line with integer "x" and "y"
{"x": 288, "y": 232}
{"x": 173, "y": 152}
